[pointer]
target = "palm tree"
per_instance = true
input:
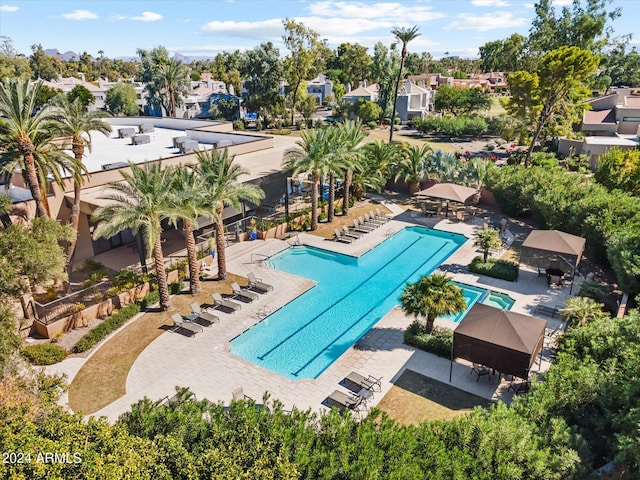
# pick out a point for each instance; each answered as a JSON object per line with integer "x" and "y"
{"x": 352, "y": 135}
{"x": 335, "y": 164}
{"x": 487, "y": 239}
{"x": 23, "y": 125}
{"x": 77, "y": 123}
{"x": 413, "y": 165}
{"x": 140, "y": 204}
{"x": 222, "y": 189}
{"x": 404, "y": 35}
{"x": 579, "y": 311}
{"x": 430, "y": 297}
{"x": 444, "y": 166}
{"x": 172, "y": 79}
{"x": 187, "y": 203}
{"x": 310, "y": 157}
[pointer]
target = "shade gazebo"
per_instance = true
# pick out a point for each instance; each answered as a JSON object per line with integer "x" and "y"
{"x": 500, "y": 339}
{"x": 448, "y": 192}
{"x": 546, "y": 243}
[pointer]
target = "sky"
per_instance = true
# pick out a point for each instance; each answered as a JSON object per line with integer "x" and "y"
{"x": 205, "y": 28}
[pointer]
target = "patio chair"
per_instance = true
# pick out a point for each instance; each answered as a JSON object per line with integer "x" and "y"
{"x": 239, "y": 292}
{"x": 200, "y": 317}
{"x": 480, "y": 370}
{"x": 340, "y": 237}
{"x": 461, "y": 215}
{"x": 345, "y": 401}
{"x": 185, "y": 327}
{"x": 350, "y": 233}
{"x": 360, "y": 228}
{"x": 258, "y": 284}
{"x": 219, "y": 302}
{"x": 368, "y": 223}
{"x": 378, "y": 215}
{"x": 369, "y": 217}
{"x": 369, "y": 382}
{"x": 555, "y": 280}
{"x": 238, "y": 394}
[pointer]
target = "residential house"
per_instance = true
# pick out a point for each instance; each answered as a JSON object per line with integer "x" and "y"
{"x": 370, "y": 93}
{"x": 320, "y": 88}
{"x": 414, "y": 101}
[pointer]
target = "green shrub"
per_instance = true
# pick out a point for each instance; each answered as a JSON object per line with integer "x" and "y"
{"x": 176, "y": 287}
{"x": 44, "y": 354}
{"x": 238, "y": 125}
{"x": 372, "y": 124}
{"x": 152, "y": 298}
{"x": 110, "y": 324}
{"x": 258, "y": 124}
{"x": 501, "y": 269}
{"x": 280, "y": 132}
{"x": 438, "y": 342}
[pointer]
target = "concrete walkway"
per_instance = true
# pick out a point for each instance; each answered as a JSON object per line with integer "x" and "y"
{"x": 203, "y": 362}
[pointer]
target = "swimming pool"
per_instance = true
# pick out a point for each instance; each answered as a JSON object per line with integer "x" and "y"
{"x": 473, "y": 295}
{"x": 304, "y": 337}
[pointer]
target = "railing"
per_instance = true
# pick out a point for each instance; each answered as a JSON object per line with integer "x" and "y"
{"x": 69, "y": 304}
{"x": 258, "y": 257}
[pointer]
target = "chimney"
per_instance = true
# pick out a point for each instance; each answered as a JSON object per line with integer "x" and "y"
{"x": 348, "y": 87}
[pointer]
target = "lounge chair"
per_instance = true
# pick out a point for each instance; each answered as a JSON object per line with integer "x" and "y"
{"x": 353, "y": 234}
{"x": 219, "y": 302}
{"x": 340, "y": 237}
{"x": 381, "y": 216}
{"x": 239, "y": 292}
{"x": 480, "y": 370}
{"x": 238, "y": 394}
{"x": 360, "y": 228}
{"x": 345, "y": 401}
{"x": 369, "y": 217}
{"x": 368, "y": 382}
{"x": 258, "y": 284}
{"x": 367, "y": 223}
{"x": 180, "y": 324}
{"x": 200, "y": 317}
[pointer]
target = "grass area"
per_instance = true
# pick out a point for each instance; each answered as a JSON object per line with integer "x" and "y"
{"x": 102, "y": 379}
{"x": 496, "y": 108}
{"x": 384, "y": 135}
{"x": 415, "y": 398}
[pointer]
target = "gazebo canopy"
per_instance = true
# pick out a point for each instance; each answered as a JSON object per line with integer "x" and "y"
{"x": 500, "y": 339}
{"x": 555, "y": 241}
{"x": 448, "y": 191}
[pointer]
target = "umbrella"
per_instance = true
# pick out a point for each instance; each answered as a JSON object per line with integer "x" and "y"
{"x": 448, "y": 192}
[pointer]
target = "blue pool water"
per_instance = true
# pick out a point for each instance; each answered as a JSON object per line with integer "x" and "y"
{"x": 473, "y": 295}
{"x": 304, "y": 337}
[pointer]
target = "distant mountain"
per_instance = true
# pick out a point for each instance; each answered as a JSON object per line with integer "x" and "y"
{"x": 66, "y": 56}
{"x": 69, "y": 55}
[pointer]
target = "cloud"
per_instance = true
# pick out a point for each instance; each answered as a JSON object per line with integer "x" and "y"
{"x": 264, "y": 29}
{"x": 489, "y": 3}
{"x": 148, "y": 17}
{"x": 8, "y": 8}
{"x": 80, "y": 15}
{"x": 388, "y": 11}
{"x": 483, "y": 23}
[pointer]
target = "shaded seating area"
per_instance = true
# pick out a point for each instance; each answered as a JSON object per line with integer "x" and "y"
{"x": 501, "y": 340}
{"x": 183, "y": 326}
{"x": 446, "y": 192}
{"x": 556, "y": 253}
{"x": 201, "y": 317}
{"x": 223, "y": 304}
{"x": 480, "y": 371}
{"x": 258, "y": 284}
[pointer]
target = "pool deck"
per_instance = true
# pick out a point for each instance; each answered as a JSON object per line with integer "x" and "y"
{"x": 203, "y": 362}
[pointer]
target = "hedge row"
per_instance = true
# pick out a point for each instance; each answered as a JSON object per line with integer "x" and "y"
{"x": 501, "y": 269}
{"x": 109, "y": 325}
{"x": 44, "y": 354}
{"x": 438, "y": 342}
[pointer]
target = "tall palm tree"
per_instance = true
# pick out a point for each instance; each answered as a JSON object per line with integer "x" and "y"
{"x": 413, "y": 165}
{"x": 352, "y": 135}
{"x": 430, "y": 297}
{"x": 310, "y": 157}
{"x": 172, "y": 79}
{"x": 335, "y": 164}
{"x": 404, "y": 35}
{"x": 139, "y": 203}
{"x": 486, "y": 240}
{"x": 187, "y": 203}
{"x": 77, "y": 123}
{"x": 222, "y": 189}
{"x": 379, "y": 157}
{"x": 20, "y": 126}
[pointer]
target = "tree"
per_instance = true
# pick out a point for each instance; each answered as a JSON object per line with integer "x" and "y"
{"x": 461, "y": 101}
{"x": 541, "y": 96}
{"x": 430, "y": 297}
{"x": 21, "y": 129}
{"x": 263, "y": 71}
{"x": 503, "y": 55}
{"x": 578, "y": 311}
{"x": 351, "y": 135}
{"x": 121, "y": 99}
{"x": 486, "y": 240}
{"x": 367, "y": 111}
{"x": 229, "y": 108}
{"x": 139, "y": 203}
{"x": 42, "y": 65}
{"x": 404, "y": 35}
{"x": 305, "y": 56}
{"x": 413, "y": 165}
{"x": 374, "y": 165}
{"x": 83, "y": 94}
{"x": 170, "y": 83}
{"x": 619, "y": 169}
{"x": 187, "y": 203}
{"x": 619, "y": 67}
{"x": 77, "y": 123}
{"x": 623, "y": 252}
{"x": 310, "y": 157}
{"x": 383, "y": 71}
{"x": 350, "y": 64}
{"x": 221, "y": 176}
